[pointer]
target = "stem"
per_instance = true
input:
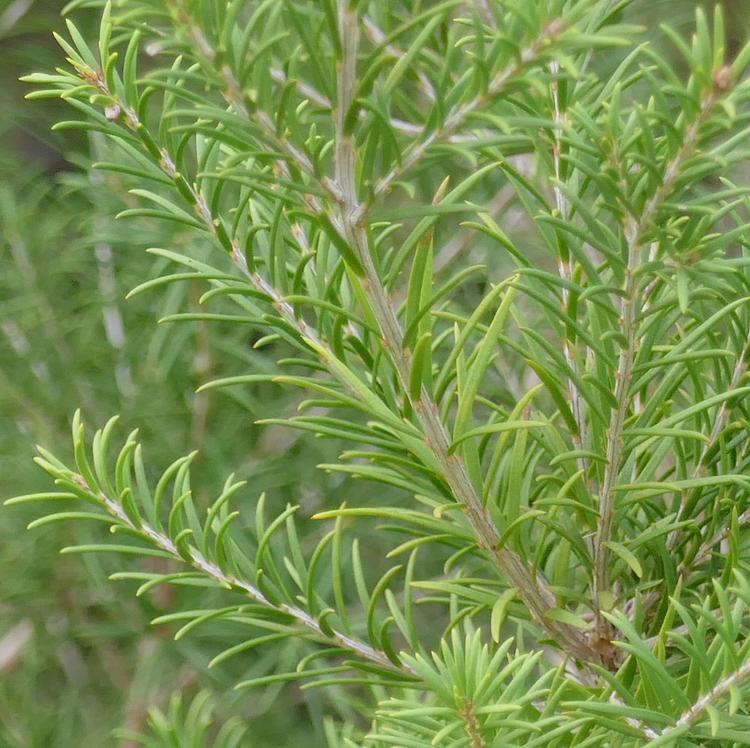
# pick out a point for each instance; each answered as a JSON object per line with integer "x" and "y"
{"x": 705, "y": 549}
{"x": 471, "y": 725}
{"x": 650, "y": 733}
{"x": 462, "y": 243}
{"x": 321, "y": 100}
{"x": 210, "y": 569}
{"x": 202, "y": 366}
{"x": 718, "y": 424}
{"x": 233, "y": 94}
{"x": 459, "y": 116}
{"x": 210, "y": 222}
{"x": 378, "y": 38}
{"x": 536, "y": 595}
{"x": 114, "y": 326}
{"x": 48, "y": 318}
{"x": 691, "y": 716}
{"x": 309, "y": 334}
{"x": 636, "y": 230}
{"x": 623, "y": 376}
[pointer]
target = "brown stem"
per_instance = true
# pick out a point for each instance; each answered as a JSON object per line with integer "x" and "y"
{"x": 692, "y": 715}
{"x": 636, "y": 231}
{"x": 534, "y": 591}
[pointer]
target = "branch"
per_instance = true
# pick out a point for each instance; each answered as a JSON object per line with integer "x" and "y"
{"x": 114, "y": 325}
{"x": 214, "y": 227}
{"x": 207, "y": 55}
{"x": 201, "y": 563}
{"x": 401, "y": 125}
{"x": 636, "y": 230}
{"x": 459, "y": 116}
{"x": 462, "y": 243}
{"x": 691, "y": 716}
{"x": 739, "y": 369}
{"x": 471, "y": 725}
{"x": 538, "y": 597}
{"x": 377, "y": 37}
{"x": 706, "y": 548}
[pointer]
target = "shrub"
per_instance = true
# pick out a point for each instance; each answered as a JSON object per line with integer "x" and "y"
{"x": 551, "y": 548}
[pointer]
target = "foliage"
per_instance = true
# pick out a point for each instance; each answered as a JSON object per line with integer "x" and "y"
{"x": 76, "y": 658}
{"x": 550, "y": 548}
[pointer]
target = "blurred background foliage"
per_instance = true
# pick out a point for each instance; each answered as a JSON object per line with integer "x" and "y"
{"x": 78, "y": 657}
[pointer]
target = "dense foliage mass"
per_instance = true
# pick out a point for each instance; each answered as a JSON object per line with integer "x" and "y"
{"x": 548, "y": 543}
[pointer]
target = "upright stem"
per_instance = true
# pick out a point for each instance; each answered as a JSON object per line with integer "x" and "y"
{"x": 740, "y": 368}
{"x": 707, "y": 545}
{"x": 538, "y": 598}
{"x": 623, "y": 375}
{"x": 636, "y": 230}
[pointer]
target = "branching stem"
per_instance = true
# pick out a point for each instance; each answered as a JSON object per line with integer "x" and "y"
{"x": 636, "y": 232}
{"x": 538, "y": 598}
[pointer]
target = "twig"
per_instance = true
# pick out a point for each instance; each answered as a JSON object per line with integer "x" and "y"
{"x": 234, "y": 96}
{"x": 459, "y": 116}
{"x": 114, "y": 327}
{"x": 483, "y": 8}
{"x": 471, "y": 725}
{"x": 200, "y": 562}
{"x": 378, "y": 38}
{"x": 706, "y": 548}
{"x": 636, "y": 228}
{"x": 13, "y": 643}
{"x": 537, "y": 596}
{"x": 690, "y": 716}
{"x": 48, "y": 318}
{"x": 400, "y": 125}
{"x": 463, "y": 241}
{"x": 565, "y": 269}
{"x": 202, "y": 364}
{"x": 718, "y": 424}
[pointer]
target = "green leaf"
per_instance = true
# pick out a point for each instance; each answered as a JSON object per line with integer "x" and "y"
{"x": 627, "y": 556}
